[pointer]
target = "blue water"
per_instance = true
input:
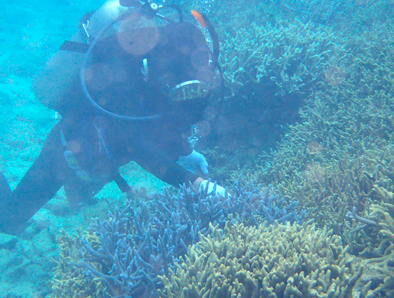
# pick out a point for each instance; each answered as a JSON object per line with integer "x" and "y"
{"x": 307, "y": 106}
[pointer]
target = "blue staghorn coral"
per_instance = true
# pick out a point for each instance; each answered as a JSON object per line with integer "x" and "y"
{"x": 145, "y": 239}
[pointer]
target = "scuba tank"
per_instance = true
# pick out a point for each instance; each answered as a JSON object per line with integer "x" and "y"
{"x": 63, "y": 69}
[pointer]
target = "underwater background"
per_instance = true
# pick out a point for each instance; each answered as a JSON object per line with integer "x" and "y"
{"x": 303, "y": 140}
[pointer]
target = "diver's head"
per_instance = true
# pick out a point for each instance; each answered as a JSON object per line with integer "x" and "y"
{"x": 167, "y": 66}
{"x": 180, "y": 64}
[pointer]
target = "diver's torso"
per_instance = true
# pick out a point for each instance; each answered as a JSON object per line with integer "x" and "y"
{"x": 101, "y": 143}
{"x": 131, "y": 84}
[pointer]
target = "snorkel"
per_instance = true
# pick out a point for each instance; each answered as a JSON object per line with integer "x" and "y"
{"x": 149, "y": 10}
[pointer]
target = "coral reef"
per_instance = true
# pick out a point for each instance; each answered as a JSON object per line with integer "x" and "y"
{"x": 288, "y": 55}
{"x": 381, "y": 267}
{"x": 69, "y": 280}
{"x": 379, "y": 271}
{"x": 340, "y": 155}
{"x": 124, "y": 254}
{"x": 378, "y": 277}
{"x": 316, "y": 10}
{"x": 338, "y": 161}
{"x": 267, "y": 261}
{"x": 268, "y": 68}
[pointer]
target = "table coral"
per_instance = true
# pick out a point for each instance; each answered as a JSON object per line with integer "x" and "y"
{"x": 267, "y": 261}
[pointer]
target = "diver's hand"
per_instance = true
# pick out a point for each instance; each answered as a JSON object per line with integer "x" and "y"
{"x": 210, "y": 187}
{"x": 194, "y": 162}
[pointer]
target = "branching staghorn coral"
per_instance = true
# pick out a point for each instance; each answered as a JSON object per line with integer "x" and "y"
{"x": 289, "y": 55}
{"x": 378, "y": 277}
{"x": 317, "y": 10}
{"x": 341, "y": 154}
{"x": 70, "y": 280}
{"x": 381, "y": 267}
{"x": 385, "y": 212}
{"x": 365, "y": 221}
{"x": 268, "y": 261}
{"x": 123, "y": 255}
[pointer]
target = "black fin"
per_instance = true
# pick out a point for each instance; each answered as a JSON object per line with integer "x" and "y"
{"x": 5, "y": 191}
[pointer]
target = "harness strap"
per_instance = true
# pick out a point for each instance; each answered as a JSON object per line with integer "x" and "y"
{"x": 121, "y": 182}
{"x": 84, "y": 175}
{"x": 74, "y": 46}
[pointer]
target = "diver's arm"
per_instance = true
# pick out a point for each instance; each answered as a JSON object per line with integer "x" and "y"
{"x": 161, "y": 165}
{"x": 194, "y": 162}
{"x": 169, "y": 171}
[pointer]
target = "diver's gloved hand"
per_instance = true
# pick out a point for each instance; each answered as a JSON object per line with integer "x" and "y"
{"x": 194, "y": 162}
{"x": 210, "y": 187}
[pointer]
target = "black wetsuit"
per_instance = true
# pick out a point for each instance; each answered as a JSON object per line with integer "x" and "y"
{"x": 100, "y": 143}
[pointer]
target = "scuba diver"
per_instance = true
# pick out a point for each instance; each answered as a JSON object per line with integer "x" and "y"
{"x": 128, "y": 86}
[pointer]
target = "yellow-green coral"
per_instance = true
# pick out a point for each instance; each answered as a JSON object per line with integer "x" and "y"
{"x": 69, "y": 281}
{"x": 289, "y": 55}
{"x": 341, "y": 154}
{"x": 267, "y": 261}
